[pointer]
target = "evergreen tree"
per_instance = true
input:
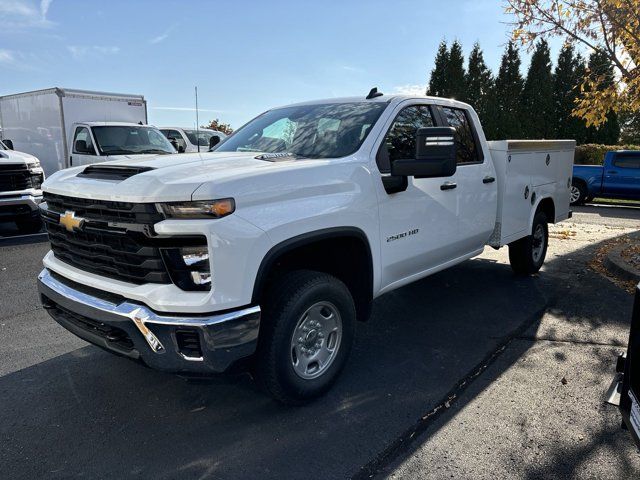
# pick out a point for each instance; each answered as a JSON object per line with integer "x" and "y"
{"x": 564, "y": 90}
{"x": 438, "y": 84}
{"x": 508, "y": 88}
{"x": 456, "y": 86}
{"x": 536, "y": 102}
{"x": 479, "y": 89}
{"x": 609, "y": 132}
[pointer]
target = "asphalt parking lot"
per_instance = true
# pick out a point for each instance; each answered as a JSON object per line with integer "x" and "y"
{"x": 459, "y": 375}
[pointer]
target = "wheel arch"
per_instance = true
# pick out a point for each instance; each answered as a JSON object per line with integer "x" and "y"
{"x": 344, "y": 252}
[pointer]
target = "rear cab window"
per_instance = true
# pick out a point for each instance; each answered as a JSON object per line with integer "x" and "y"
{"x": 467, "y": 150}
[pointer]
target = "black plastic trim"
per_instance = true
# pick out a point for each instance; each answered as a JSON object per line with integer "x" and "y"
{"x": 282, "y": 248}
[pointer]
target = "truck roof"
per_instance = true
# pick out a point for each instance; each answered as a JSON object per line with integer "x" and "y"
{"x": 63, "y": 92}
{"x": 385, "y": 99}
{"x": 117, "y": 124}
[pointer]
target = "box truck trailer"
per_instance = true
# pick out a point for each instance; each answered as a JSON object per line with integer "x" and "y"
{"x": 43, "y": 122}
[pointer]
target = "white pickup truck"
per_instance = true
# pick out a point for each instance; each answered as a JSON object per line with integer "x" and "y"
{"x": 263, "y": 254}
{"x": 21, "y": 178}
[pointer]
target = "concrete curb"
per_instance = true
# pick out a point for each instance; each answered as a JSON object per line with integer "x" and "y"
{"x": 619, "y": 267}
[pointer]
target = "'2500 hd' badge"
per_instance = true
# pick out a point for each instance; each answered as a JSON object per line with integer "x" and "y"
{"x": 393, "y": 238}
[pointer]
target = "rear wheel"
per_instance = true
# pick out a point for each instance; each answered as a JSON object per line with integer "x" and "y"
{"x": 32, "y": 225}
{"x": 527, "y": 254}
{"x": 578, "y": 193}
{"x": 306, "y": 335}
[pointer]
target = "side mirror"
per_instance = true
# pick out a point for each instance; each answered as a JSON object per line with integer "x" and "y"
{"x": 435, "y": 155}
{"x": 81, "y": 146}
{"x": 8, "y": 143}
{"x": 213, "y": 141}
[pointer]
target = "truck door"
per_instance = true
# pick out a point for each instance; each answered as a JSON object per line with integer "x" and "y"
{"x": 622, "y": 175}
{"x": 418, "y": 221}
{"x": 83, "y": 151}
{"x": 476, "y": 179}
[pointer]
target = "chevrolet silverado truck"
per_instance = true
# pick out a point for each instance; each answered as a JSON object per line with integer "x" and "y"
{"x": 618, "y": 177}
{"x": 262, "y": 255}
{"x": 21, "y": 178}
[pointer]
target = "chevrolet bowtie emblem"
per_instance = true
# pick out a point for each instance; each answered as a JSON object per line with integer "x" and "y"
{"x": 69, "y": 221}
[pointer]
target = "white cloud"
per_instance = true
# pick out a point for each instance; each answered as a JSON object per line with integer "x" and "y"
{"x": 187, "y": 109}
{"x": 25, "y": 13}
{"x": 159, "y": 38}
{"x": 163, "y": 36}
{"x": 410, "y": 89}
{"x": 80, "y": 51}
{"x": 6, "y": 56}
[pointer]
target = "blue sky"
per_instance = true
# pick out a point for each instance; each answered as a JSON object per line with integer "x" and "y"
{"x": 244, "y": 56}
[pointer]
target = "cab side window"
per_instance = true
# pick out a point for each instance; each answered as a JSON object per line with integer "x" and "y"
{"x": 627, "y": 160}
{"x": 174, "y": 135}
{"x": 466, "y": 148}
{"x": 82, "y": 143}
{"x": 400, "y": 141}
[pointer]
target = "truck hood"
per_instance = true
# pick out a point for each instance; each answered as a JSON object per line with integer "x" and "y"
{"x": 11, "y": 156}
{"x": 171, "y": 178}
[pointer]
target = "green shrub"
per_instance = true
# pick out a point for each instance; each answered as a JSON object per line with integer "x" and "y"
{"x": 593, "y": 154}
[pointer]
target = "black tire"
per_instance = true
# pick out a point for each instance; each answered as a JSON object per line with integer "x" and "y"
{"x": 32, "y": 225}
{"x": 525, "y": 255}
{"x": 288, "y": 301}
{"x": 581, "y": 189}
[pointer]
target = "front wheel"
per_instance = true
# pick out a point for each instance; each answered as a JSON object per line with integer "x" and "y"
{"x": 306, "y": 335}
{"x": 527, "y": 254}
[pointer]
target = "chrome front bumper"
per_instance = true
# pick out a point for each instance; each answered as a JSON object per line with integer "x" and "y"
{"x": 12, "y": 204}
{"x": 135, "y": 331}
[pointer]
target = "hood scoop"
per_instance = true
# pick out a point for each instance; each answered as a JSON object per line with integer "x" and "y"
{"x": 276, "y": 157}
{"x": 112, "y": 172}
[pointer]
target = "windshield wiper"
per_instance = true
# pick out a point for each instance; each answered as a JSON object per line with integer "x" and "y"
{"x": 117, "y": 151}
{"x": 153, "y": 150}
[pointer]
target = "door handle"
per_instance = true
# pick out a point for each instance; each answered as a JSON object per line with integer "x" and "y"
{"x": 448, "y": 186}
{"x": 70, "y": 161}
{"x": 612, "y": 172}
{"x": 488, "y": 180}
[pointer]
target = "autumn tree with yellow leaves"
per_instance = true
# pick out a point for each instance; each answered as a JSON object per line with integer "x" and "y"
{"x": 609, "y": 27}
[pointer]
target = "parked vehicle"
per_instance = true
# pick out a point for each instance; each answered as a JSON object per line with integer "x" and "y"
{"x": 264, "y": 253}
{"x": 42, "y": 123}
{"x": 618, "y": 177}
{"x": 21, "y": 178}
{"x": 191, "y": 140}
{"x": 104, "y": 141}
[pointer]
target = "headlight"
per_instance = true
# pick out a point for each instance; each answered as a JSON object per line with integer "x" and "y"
{"x": 189, "y": 267}
{"x": 200, "y": 209}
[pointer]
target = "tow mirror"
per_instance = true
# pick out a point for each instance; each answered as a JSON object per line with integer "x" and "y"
{"x": 213, "y": 141}
{"x": 8, "y": 143}
{"x": 435, "y": 155}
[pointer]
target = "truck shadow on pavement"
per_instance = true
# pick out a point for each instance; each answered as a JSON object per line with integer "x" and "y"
{"x": 90, "y": 413}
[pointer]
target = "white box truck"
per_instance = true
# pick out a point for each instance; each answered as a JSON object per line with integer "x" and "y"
{"x": 42, "y": 122}
{"x": 264, "y": 253}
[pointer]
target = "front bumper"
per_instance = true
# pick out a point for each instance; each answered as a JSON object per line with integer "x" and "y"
{"x": 19, "y": 205}
{"x": 158, "y": 340}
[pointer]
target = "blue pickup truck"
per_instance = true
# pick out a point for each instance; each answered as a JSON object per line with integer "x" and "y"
{"x": 618, "y": 177}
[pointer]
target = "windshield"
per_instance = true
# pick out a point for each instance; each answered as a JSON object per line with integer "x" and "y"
{"x": 123, "y": 140}
{"x": 202, "y": 137}
{"x": 312, "y": 131}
